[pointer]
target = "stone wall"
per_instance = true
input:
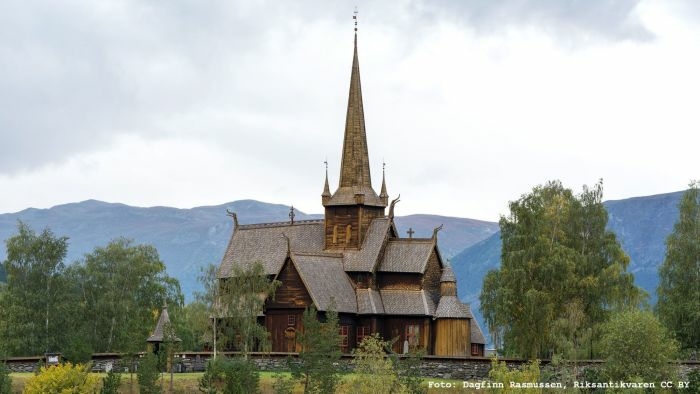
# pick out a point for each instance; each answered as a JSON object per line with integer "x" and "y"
{"x": 431, "y": 367}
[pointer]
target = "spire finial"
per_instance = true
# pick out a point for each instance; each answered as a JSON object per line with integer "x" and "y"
{"x": 291, "y": 214}
{"x": 354, "y": 17}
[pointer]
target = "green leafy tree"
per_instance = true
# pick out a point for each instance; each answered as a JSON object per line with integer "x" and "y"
{"x": 209, "y": 298}
{"x": 120, "y": 286}
{"x": 678, "y": 304}
{"x": 556, "y": 251}
{"x": 34, "y": 308}
{"x": 241, "y": 299}
{"x": 636, "y": 347}
{"x": 374, "y": 371}
{"x": 320, "y": 352}
{"x": 500, "y": 373}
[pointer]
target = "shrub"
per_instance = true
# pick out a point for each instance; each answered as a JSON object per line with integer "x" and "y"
{"x": 213, "y": 378}
{"x": 282, "y": 384}
{"x": 500, "y": 373}
{"x": 636, "y": 346}
{"x": 694, "y": 382}
{"x": 147, "y": 374}
{"x": 63, "y": 378}
{"x": 374, "y": 371}
{"x": 241, "y": 377}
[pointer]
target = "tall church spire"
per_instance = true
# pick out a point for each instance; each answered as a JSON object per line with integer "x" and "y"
{"x": 355, "y": 186}
{"x": 354, "y": 170}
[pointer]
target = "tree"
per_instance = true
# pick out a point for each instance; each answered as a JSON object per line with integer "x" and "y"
{"x": 34, "y": 308}
{"x": 320, "y": 352}
{"x": 375, "y": 373}
{"x": 678, "y": 305}
{"x": 119, "y": 287}
{"x": 556, "y": 251}
{"x": 637, "y": 347}
{"x": 210, "y": 299}
{"x": 241, "y": 299}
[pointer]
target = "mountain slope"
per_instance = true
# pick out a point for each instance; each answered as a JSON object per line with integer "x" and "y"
{"x": 187, "y": 239}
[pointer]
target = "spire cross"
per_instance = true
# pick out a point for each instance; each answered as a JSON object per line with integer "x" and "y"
{"x": 410, "y": 232}
{"x": 354, "y": 17}
{"x": 291, "y": 214}
{"x": 326, "y": 163}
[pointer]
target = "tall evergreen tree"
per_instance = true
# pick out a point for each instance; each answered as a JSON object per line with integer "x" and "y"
{"x": 556, "y": 252}
{"x": 678, "y": 304}
{"x": 33, "y": 309}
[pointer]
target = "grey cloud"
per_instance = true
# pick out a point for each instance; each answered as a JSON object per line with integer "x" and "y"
{"x": 74, "y": 75}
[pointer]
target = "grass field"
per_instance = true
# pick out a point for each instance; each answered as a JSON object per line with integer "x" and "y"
{"x": 189, "y": 383}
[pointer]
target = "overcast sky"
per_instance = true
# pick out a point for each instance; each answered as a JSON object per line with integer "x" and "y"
{"x": 469, "y": 103}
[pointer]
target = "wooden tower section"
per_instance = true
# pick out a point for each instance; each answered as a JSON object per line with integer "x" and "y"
{"x": 452, "y": 319}
{"x": 349, "y": 211}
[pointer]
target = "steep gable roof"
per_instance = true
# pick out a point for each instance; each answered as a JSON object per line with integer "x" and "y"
{"x": 407, "y": 255}
{"x": 326, "y": 281}
{"x": 365, "y": 259}
{"x": 266, "y": 243}
{"x": 477, "y": 336}
{"x": 369, "y": 302}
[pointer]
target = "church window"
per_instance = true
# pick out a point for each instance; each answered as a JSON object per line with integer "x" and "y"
{"x": 291, "y": 320}
{"x": 475, "y": 350}
{"x": 343, "y": 331}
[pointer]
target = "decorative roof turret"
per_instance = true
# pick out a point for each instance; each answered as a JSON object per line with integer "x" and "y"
{"x": 326, "y": 195}
{"x": 383, "y": 195}
{"x": 160, "y": 333}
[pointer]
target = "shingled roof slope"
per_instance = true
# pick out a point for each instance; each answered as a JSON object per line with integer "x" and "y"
{"x": 452, "y": 307}
{"x": 407, "y": 255}
{"x": 365, "y": 259}
{"x": 159, "y": 331}
{"x": 265, "y": 243}
{"x": 477, "y": 336}
{"x": 325, "y": 280}
{"x": 369, "y": 302}
{"x": 407, "y": 302}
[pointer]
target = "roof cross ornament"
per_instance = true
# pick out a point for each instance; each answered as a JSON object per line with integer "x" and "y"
{"x": 410, "y": 232}
{"x": 354, "y": 17}
{"x": 291, "y": 214}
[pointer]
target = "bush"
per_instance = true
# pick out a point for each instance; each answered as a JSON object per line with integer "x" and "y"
{"x": 230, "y": 376}
{"x": 694, "y": 382}
{"x": 282, "y": 384}
{"x": 63, "y": 378}
{"x": 500, "y": 373}
{"x": 147, "y": 374}
{"x": 241, "y": 377}
{"x": 636, "y": 346}
{"x": 5, "y": 380}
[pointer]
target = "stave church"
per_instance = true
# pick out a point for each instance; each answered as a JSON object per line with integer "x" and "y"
{"x": 355, "y": 260}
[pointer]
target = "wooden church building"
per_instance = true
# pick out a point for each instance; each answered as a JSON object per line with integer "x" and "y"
{"x": 355, "y": 259}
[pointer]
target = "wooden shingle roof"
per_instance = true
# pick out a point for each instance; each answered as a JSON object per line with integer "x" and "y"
{"x": 159, "y": 332}
{"x": 407, "y": 255}
{"x": 452, "y": 307}
{"x": 369, "y": 302}
{"x": 407, "y": 302}
{"x": 326, "y": 281}
{"x": 365, "y": 259}
{"x": 477, "y": 336}
{"x": 266, "y": 243}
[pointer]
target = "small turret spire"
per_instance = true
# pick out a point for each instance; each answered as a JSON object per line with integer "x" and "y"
{"x": 326, "y": 195}
{"x": 383, "y": 195}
